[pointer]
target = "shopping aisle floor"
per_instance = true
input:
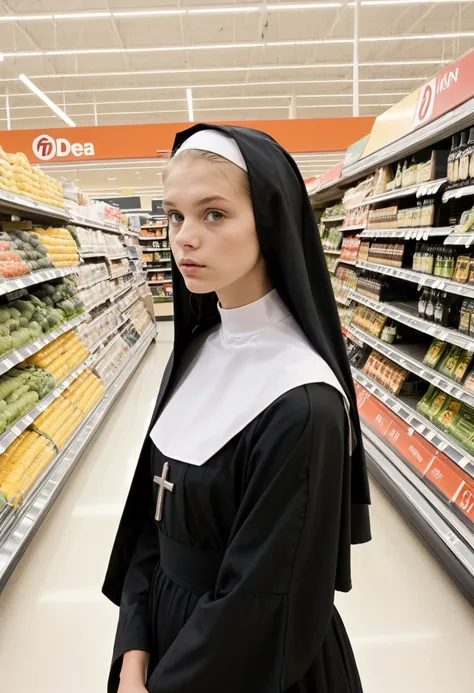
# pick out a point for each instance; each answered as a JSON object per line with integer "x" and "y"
{"x": 411, "y": 629}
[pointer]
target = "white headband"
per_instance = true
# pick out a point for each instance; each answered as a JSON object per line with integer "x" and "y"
{"x": 217, "y": 143}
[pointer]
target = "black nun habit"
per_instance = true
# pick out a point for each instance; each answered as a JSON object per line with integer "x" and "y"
{"x": 232, "y": 589}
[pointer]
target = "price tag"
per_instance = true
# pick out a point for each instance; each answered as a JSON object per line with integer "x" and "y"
{"x": 426, "y": 236}
{"x": 419, "y": 235}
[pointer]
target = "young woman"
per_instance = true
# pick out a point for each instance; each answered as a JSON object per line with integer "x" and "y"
{"x": 251, "y": 485}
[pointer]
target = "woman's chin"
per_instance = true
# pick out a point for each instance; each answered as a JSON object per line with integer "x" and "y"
{"x": 198, "y": 286}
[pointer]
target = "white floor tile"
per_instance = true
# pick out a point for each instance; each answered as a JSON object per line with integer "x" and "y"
{"x": 411, "y": 629}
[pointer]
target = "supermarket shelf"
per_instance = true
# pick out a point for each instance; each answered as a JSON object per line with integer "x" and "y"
{"x": 427, "y": 280}
{"x": 92, "y": 254}
{"x": 122, "y": 290}
{"x": 420, "y": 233}
{"x": 434, "y": 519}
{"x": 100, "y": 342}
{"x": 98, "y": 303}
{"x": 354, "y": 227}
{"x": 9, "y": 285}
{"x": 156, "y": 226}
{"x": 152, "y": 238}
{"x": 420, "y": 190}
{"x": 19, "y": 527}
{"x": 331, "y": 220}
{"x": 451, "y": 122}
{"x": 407, "y": 314}
{"x": 409, "y": 356}
{"x": 455, "y": 193}
{"x": 343, "y": 300}
{"x": 112, "y": 258}
{"x": 465, "y": 239}
{"x": 102, "y": 278}
{"x": 161, "y": 281}
{"x": 122, "y": 274}
{"x": 22, "y": 424}
{"x": 94, "y": 224}
{"x": 12, "y": 203}
{"x": 348, "y": 334}
{"x": 135, "y": 298}
{"x": 341, "y": 261}
{"x": 405, "y": 409}
{"x": 331, "y": 252}
{"x": 19, "y": 355}
{"x": 161, "y": 269}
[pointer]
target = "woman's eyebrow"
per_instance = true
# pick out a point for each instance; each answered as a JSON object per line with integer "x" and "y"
{"x": 201, "y": 203}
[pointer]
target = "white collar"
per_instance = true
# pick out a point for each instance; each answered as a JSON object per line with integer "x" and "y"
{"x": 254, "y": 318}
{"x": 254, "y": 357}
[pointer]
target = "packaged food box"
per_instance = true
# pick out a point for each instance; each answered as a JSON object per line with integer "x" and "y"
{"x": 461, "y": 272}
{"x": 435, "y": 353}
{"x": 449, "y": 362}
{"x": 463, "y": 364}
{"x": 447, "y": 416}
{"x": 425, "y": 403}
{"x": 462, "y": 427}
{"x": 439, "y": 402}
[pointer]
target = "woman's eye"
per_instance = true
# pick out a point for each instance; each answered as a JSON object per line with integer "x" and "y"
{"x": 214, "y": 215}
{"x": 175, "y": 218}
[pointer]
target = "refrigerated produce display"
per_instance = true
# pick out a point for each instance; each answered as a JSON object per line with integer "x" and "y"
{"x": 157, "y": 258}
{"x": 74, "y": 325}
{"x": 397, "y": 229}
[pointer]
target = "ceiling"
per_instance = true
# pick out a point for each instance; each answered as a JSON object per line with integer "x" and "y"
{"x": 110, "y": 62}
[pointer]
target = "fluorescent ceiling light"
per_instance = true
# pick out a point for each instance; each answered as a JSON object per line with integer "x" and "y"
{"x": 82, "y": 15}
{"x": 225, "y": 9}
{"x": 189, "y": 99}
{"x": 231, "y": 45}
{"x": 59, "y": 112}
{"x": 243, "y": 68}
{"x": 218, "y": 85}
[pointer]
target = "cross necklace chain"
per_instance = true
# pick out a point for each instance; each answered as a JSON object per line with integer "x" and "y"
{"x": 164, "y": 485}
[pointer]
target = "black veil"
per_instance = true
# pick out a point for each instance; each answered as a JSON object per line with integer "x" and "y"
{"x": 295, "y": 261}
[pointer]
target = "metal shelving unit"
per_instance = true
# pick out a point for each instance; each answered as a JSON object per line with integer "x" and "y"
{"x": 407, "y": 315}
{"x": 428, "y": 280}
{"x": 426, "y": 471}
{"x": 17, "y": 527}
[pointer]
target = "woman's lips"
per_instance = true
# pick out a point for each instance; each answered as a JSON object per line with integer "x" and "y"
{"x": 190, "y": 267}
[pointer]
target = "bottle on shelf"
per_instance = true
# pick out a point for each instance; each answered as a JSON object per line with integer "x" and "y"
{"x": 430, "y": 306}
{"x": 398, "y": 176}
{"x": 441, "y": 311}
{"x": 464, "y": 158}
{"x": 422, "y": 302}
{"x": 471, "y": 155}
{"x": 457, "y": 159}
{"x": 452, "y": 154}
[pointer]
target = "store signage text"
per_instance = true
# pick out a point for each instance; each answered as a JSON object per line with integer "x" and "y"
{"x": 46, "y": 147}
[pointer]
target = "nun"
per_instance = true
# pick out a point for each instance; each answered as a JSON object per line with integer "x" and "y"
{"x": 251, "y": 485}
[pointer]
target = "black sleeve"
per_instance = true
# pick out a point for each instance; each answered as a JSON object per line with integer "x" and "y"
{"x": 133, "y": 630}
{"x": 261, "y": 629}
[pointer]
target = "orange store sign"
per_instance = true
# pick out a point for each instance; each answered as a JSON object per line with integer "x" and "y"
{"x": 46, "y": 148}
{"x": 145, "y": 141}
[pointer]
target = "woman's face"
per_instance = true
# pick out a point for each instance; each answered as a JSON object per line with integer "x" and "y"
{"x": 211, "y": 225}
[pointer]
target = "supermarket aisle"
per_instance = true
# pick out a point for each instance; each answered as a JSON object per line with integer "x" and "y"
{"x": 411, "y": 630}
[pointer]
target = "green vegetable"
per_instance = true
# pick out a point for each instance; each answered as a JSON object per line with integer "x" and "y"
{"x": 4, "y": 314}
{"x": 17, "y": 394}
{"x": 12, "y": 325}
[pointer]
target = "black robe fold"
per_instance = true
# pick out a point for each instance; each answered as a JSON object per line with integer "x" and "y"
{"x": 270, "y": 501}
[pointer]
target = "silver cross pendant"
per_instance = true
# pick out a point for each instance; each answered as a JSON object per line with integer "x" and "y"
{"x": 164, "y": 485}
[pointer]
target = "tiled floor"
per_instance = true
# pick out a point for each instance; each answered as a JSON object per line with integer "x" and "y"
{"x": 411, "y": 630}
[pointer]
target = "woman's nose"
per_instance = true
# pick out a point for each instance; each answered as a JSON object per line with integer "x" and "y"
{"x": 187, "y": 235}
